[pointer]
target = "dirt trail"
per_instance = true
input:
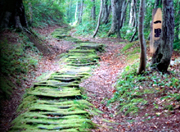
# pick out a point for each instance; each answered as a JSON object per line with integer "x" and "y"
{"x": 99, "y": 87}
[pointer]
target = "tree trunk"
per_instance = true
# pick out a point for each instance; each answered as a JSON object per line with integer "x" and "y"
{"x": 105, "y": 12}
{"x": 115, "y": 6}
{"x": 13, "y": 14}
{"x": 122, "y": 16}
{"x": 142, "y": 66}
{"x": 161, "y": 58}
{"x": 93, "y": 10}
{"x": 100, "y": 12}
{"x": 77, "y": 12}
{"x": 132, "y": 14}
{"x": 118, "y": 15}
{"x": 81, "y": 12}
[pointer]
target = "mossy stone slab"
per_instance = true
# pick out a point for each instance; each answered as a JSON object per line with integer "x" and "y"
{"x": 91, "y": 51}
{"x": 56, "y": 92}
{"x": 53, "y": 83}
{"x": 97, "y": 47}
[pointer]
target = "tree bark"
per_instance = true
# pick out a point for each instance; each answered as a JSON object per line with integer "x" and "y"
{"x": 13, "y": 14}
{"x": 116, "y": 11}
{"x": 122, "y": 16}
{"x": 142, "y": 66}
{"x": 132, "y": 14}
{"x": 118, "y": 15}
{"x": 77, "y": 12}
{"x": 105, "y": 12}
{"x": 161, "y": 58}
{"x": 100, "y": 12}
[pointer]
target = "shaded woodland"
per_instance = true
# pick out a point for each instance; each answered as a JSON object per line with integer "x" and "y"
{"x": 133, "y": 53}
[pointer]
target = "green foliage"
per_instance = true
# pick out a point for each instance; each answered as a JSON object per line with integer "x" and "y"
{"x": 134, "y": 91}
{"x": 85, "y": 28}
{"x": 127, "y": 46}
{"x": 42, "y": 13}
{"x": 15, "y": 62}
{"x": 176, "y": 45}
{"x": 127, "y": 32}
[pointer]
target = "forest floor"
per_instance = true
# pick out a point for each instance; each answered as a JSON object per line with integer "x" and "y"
{"x": 99, "y": 88}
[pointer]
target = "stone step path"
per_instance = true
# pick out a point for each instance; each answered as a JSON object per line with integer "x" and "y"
{"x": 57, "y": 104}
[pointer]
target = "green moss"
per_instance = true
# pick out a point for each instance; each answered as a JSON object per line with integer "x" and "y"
{"x": 127, "y": 46}
{"x": 26, "y": 103}
{"x": 64, "y": 33}
{"x": 133, "y": 51}
{"x": 132, "y": 57}
{"x": 57, "y": 103}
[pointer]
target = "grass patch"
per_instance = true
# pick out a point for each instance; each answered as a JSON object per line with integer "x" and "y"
{"x": 135, "y": 92}
{"x": 134, "y": 51}
{"x": 132, "y": 57}
{"x": 131, "y": 51}
{"x": 17, "y": 59}
{"x": 127, "y": 46}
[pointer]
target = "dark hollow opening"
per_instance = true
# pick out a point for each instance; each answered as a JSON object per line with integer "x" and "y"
{"x": 157, "y": 32}
{"x": 157, "y": 22}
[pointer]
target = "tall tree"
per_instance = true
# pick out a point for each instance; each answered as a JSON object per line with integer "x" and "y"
{"x": 162, "y": 56}
{"x": 105, "y": 11}
{"x": 77, "y": 11}
{"x": 93, "y": 10}
{"x": 114, "y": 24}
{"x": 142, "y": 66}
{"x": 132, "y": 19}
{"x": 118, "y": 14}
{"x": 12, "y": 14}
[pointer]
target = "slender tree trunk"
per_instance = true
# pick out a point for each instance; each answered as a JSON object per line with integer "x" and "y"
{"x": 77, "y": 12}
{"x": 135, "y": 24}
{"x": 142, "y": 67}
{"x": 161, "y": 58}
{"x": 135, "y": 32}
{"x": 132, "y": 14}
{"x": 93, "y": 10}
{"x": 100, "y": 12}
{"x": 122, "y": 17}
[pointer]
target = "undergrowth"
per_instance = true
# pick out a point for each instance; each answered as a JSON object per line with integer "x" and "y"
{"x": 137, "y": 92}
{"x": 43, "y": 13}
{"x": 17, "y": 59}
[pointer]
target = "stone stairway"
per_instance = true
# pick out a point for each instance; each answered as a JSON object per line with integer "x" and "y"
{"x": 57, "y": 103}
